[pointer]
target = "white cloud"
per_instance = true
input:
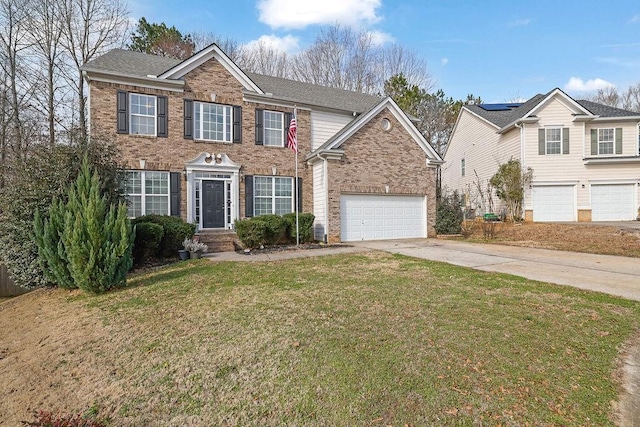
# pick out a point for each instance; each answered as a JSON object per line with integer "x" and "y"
{"x": 379, "y": 38}
{"x": 287, "y": 43}
{"x": 635, "y": 19}
{"x": 444, "y": 61}
{"x": 576, "y": 84}
{"x": 520, "y": 22}
{"x": 300, "y": 14}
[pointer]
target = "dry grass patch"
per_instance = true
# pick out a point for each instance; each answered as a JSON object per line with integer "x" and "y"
{"x": 596, "y": 239}
{"x": 369, "y": 339}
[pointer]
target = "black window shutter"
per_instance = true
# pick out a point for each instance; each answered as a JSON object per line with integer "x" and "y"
{"x": 122, "y": 110}
{"x": 188, "y": 119}
{"x": 594, "y": 142}
{"x": 237, "y": 124}
{"x": 248, "y": 196}
{"x": 175, "y": 193}
{"x": 541, "y": 142}
{"x": 287, "y": 122}
{"x": 565, "y": 140}
{"x": 162, "y": 119}
{"x": 299, "y": 194}
{"x": 618, "y": 140}
{"x": 259, "y": 126}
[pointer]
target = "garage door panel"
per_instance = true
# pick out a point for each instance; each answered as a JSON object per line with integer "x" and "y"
{"x": 381, "y": 217}
{"x": 613, "y": 202}
{"x": 553, "y": 203}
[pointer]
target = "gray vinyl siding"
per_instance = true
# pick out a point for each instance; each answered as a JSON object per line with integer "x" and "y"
{"x": 319, "y": 201}
{"x": 324, "y": 125}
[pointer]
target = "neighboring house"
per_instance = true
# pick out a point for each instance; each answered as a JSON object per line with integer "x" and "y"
{"x": 206, "y": 141}
{"x": 585, "y": 156}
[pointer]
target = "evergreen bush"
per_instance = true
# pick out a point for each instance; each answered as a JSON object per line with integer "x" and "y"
{"x": 449, "y": 214}
{"x": 175, "y": 230}
{"x": 251, "y": 233}
{"x": 275, "y": 228}
{"x": 305, "y": 226}
{"x": 97, "y": 237}
{"x": 147, "y": 242}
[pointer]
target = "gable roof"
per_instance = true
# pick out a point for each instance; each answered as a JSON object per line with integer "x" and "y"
{"x": 126, "y": 63}
{"x": 502, "y": 118}
{"x": 334, "y": 143}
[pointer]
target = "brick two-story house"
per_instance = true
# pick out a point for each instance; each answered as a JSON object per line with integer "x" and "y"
{"x": 204, "y": 140}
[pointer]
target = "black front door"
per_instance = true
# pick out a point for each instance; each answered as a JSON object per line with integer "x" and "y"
{"x": 213, "y": 204}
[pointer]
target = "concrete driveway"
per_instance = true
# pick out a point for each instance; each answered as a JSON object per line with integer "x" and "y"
{"x": 604, "y": 273}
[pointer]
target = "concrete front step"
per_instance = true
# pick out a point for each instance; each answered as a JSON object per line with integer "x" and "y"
{"x": 218, "y": 240}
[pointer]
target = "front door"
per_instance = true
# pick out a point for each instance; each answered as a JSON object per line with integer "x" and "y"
{"x": 213, "y": 204}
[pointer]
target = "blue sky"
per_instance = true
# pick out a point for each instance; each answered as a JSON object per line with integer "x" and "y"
{"x": 500, "y": 50}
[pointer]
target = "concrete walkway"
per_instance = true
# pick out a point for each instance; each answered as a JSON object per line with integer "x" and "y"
{"x": 614, "y": 275}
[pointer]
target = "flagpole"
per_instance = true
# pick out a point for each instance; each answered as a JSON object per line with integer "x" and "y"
{"x": 295, "y": 113}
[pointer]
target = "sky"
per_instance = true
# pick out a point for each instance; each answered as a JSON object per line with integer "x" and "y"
{"x": 500, "y": 50}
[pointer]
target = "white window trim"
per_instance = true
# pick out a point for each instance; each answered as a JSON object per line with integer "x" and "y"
{"x": 546, "y": 141}
{"x": 281, "y": 129}
{"x": 613, "y": 141}
{"x": 143, "y": 193}
{"x": 273, "y": 193}
{"x": 227, "y": 120}
{"x": 155, "y": 116}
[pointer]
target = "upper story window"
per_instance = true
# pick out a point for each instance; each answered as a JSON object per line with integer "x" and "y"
{"x": 274, "y": 128}
{"x": 462, "y": 167}
{"x": 142, "y": 114}
{"x": 272, "y": 195}
{"x": 147, "y": 192}
{"x": 212, "y": 122}
{"x": 271, "y": 127}
{"x": 553, "y": 140}
{"x": 606, "y": 141}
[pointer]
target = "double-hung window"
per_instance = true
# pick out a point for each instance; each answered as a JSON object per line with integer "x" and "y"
{"x": 273, "y": 128}
{"x": 142, "y": 114}
{"x": 212, "y": 122}
{"x": 553, "y": 140}
{"x": 606, "y": 139}
{"x": 272, "y": 195}
{"x": 147, "y": 192}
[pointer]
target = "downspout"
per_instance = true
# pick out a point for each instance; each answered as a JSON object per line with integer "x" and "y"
{"x": 325, "y": 178}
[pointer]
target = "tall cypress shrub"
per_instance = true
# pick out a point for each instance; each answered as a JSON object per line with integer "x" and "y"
{"x": 97, "y": 237}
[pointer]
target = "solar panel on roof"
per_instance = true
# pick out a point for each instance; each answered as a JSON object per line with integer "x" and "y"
{"x": 499, "y": 107}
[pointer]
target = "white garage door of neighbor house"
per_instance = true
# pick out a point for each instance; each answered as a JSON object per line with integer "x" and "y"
{"x": 376, "y": 217}
{"x": 612, "y": 202}
{"x": 553, "y": 203}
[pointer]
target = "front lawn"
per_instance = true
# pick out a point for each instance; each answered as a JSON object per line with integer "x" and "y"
{"x": 368, "y": 339}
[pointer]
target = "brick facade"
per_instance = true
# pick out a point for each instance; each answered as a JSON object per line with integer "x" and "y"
{"x": 171, "y": 153}
{"x": 377, "y": 159}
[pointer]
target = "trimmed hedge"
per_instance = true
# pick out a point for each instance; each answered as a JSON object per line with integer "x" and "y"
{"x": 267, "y": 230}
{"x": 147, "y": 243}
{"x": 175, "y": 230}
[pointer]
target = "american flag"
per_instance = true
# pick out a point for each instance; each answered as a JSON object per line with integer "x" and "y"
{"x": 292, "y": 136}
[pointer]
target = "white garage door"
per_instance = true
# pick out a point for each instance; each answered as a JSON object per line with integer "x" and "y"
{"x": 612, "y": 202}
{"x": 375, "y": 217}
{"x": 553, "y": 203}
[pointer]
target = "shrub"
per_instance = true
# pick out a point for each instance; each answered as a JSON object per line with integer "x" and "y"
{"x": 96, "y": 237}
{"x": 251, "y": 233}
{"x": 275, "y": 228}
{"x": 305, "y": 226}
{"x": 49, "y": 419}
{"x": 30, "y": 184}
{"x": 51, "y": 251}
{"x": 449, "y": 214}
{"x": 175, "y": 231}
{"x": 147, "y": 242}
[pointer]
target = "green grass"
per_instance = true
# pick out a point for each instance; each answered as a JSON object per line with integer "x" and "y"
{"x": 370, "y": 339}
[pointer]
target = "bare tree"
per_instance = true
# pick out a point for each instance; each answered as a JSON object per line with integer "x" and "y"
{"x": 91, "y": 27}
{"x": 229, "y": 46}
{"x": 45, "y": 30}
{"x": 261, "y": 58}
